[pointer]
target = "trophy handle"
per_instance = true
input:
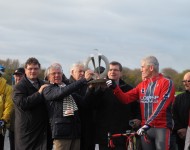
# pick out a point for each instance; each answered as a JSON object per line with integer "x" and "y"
{"x": 104, "y": 73}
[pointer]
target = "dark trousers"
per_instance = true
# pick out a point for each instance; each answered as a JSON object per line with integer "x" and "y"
{"x": 180, "y": 143}
{"x": 11, "y": 140}
{"x": 1, "y": 142}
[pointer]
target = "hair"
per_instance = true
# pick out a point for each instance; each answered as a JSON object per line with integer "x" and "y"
{"x": 32, "y": 60}
{"x": 151, "y": 60}
{"x": 76, "y": 65}
{"x": 117, "y": 63}
{"x": 187, "y": 74}
{"x": 53, "y": 66}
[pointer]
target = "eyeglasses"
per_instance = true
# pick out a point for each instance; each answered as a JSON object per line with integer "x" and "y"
{"x": 185, "y": 81}
{"x": 30, "y": 69}
{"x": 114, "y": 70}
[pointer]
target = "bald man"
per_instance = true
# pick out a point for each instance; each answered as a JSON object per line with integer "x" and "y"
{"x": 181, "y": 112}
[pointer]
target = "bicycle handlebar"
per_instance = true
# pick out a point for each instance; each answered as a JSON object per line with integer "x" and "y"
{"x": 129, "y": 134}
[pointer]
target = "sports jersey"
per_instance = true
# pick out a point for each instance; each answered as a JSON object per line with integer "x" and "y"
{"x": 156, "y": 96}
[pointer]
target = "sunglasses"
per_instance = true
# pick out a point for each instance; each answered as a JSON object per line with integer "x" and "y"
{"x": 185, "y": 81}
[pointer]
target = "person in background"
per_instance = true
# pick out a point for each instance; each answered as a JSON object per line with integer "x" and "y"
{"x": 32, "y": 130}
{"x": 187, "y": 138}
{"x": 17, "y": 75}
{"x": 6, "y": 105}
{"x": 111, "y": 115}
{"x": 181, "y": 112}
{"x": 63, "y": 109}
{"x": 77, "y": 72}
{"x": 156, "y": 95}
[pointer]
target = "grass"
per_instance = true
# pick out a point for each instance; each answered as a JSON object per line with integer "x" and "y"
{"x": 176, "y": 93}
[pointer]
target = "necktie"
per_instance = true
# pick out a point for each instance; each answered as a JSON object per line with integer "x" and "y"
{"x": 35, "y": 84}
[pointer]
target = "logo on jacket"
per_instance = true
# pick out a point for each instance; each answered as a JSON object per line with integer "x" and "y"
{"x": 149, "y": 99}
{"x": 142, "y": 91}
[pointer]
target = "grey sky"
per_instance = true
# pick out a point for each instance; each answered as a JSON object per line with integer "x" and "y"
{"x": 67, "y": 31}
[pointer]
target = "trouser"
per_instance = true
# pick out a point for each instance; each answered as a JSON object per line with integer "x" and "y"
{"x": 173, "y": 145}
{"x": 2, "y": 142}
{"x": 180, "y": 143}
{"x": 66, "y": 144}
{"x": 158, "y": 139}
{"x": 187, "y": 140}
{"x": 11, "y": 140}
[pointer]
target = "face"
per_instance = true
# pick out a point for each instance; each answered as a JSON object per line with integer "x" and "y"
{"x": 32, "y": 71}
{"x": 78, "y": 73}
{"x": 18, "y": 77}
{"x": 186, "y": 82}
{"x": 55, "y": 76}
{"x": 146, "y": 71}
{"x": 114, "y": 73}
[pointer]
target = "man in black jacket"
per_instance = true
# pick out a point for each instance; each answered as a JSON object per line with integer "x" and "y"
{"x": 113, "y": 116}
{"x": 77, "y": 72}
{"x": 181, "y": 112}
{"x": 62, "y": 108}
{"x": 31, "y": 119}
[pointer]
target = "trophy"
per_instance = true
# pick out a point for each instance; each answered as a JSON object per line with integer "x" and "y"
{"x": 101, "y": 70}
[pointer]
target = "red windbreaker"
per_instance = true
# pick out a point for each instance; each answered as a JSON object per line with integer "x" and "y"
{"x": 156, "y": 96}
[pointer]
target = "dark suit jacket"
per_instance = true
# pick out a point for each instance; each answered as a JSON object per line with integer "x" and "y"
{"x": 31, "y": 118}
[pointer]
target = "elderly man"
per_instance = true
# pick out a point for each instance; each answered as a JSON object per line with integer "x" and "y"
{"x": 62, "y": 107}
{"x": 86, "y": 113}
{"x": 181, "y": 109}
{"x": 156, "y": 95}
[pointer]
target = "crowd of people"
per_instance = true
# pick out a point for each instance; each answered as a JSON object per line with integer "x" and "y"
{"x": 73, "y": 113}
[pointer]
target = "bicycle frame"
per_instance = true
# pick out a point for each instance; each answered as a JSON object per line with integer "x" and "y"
{"x": 129, "y": 137}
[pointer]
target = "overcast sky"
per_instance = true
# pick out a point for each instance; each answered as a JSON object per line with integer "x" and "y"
{"x": 67, "y": 31}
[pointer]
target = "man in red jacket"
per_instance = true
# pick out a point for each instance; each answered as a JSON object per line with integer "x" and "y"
{"x": 156, "y": 94}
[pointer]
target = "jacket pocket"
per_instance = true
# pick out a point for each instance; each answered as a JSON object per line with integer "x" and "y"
{"x": 62, "y": 127}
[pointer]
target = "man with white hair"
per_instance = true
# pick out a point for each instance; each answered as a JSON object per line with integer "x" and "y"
{"x": 77, "y": 72}
{"x": 62, "y": 107}
{"x": 181, "y": 109}
{"x": 156, "y": 95}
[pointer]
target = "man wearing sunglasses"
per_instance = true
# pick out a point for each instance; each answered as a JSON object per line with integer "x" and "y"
{"x": 181, "y": 112}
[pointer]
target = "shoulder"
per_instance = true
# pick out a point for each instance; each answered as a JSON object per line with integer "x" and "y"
{"x": 8, "y": 88}
{"x": 180, "y": 96}
{"x": 124, "y": 86}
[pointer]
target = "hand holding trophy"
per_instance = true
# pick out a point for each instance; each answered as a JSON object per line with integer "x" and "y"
{"x": 99, "y": 70}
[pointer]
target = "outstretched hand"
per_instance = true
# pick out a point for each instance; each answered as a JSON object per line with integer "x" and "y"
{"x": 111, "y": 84}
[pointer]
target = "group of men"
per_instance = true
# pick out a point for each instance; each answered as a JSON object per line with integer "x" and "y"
{"x": 73, "y": 114}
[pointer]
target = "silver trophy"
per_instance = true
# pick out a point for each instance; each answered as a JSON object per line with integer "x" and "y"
{"x": 95, "y": 61}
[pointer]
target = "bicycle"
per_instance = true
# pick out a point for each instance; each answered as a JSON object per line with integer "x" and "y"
{"x": 130, "y": 139}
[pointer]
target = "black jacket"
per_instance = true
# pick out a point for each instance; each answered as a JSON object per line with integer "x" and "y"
{"x": 31, "y": 119}
{"x": 181, "y": 108}
{"x": 86, "y": 117}
{"x": 63, "y": 127}
{"x": 113, "y": 116}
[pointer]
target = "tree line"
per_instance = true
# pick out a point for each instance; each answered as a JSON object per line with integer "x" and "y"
{"x": 130, "y": 76}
